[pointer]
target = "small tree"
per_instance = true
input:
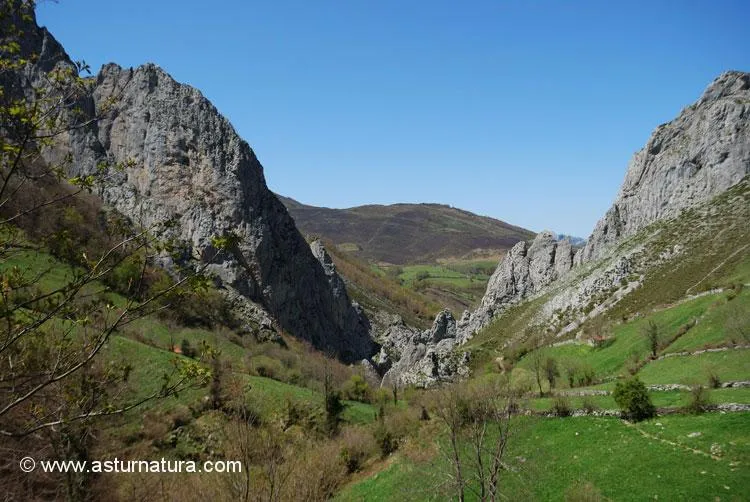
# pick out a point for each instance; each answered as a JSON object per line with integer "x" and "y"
{"x": 357, "y": 389}
{"x": 633, "y": 398}
{"x": 334, "y": 406}
{"x": 537, "y": 364}
{"x": 738, "y": 323}
{"x": 551, "y": 371}
{"x": 699, "y": 400}
{"x": 651, "y": 333}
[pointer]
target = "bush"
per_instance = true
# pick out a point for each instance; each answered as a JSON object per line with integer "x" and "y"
{"x": 586, "y": 375}
{"x": 713, "y": 379}
{"x": 385, "y": 439}
{"x": 264, "y": 366}
{"x": 356, "y": 448}
{"x": 633, "y": 398}
{"x": 699, "y": 400}
{"x": 588, "y": 405}
{"x": 561, "y": 407}
{"x": 357, "y": 389}
{"x": 187, "y": 350}
{"x": 300, "y": 412}
{"x": 651, "y": 333}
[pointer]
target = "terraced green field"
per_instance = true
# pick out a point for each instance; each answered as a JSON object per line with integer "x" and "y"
{"x": 551, "y": 456}
{"x": 730, "y": 365}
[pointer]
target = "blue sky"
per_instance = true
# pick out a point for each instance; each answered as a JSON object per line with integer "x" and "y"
{"x": 521, "y": 110}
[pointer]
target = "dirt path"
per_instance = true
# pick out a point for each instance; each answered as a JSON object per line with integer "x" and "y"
{"x": 673, "y": 443}
{"x": 717, "y": 267}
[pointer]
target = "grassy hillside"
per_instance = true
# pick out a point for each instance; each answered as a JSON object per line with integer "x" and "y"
{"x": 377, "y": 289}
{"x": 455, "y": 284}
{"x": 699, "y": 302}
{"x": 407, "y": 233}
{"x": 596, "y": 459}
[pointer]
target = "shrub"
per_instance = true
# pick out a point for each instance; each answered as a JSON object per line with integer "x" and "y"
{"x": 633, "y": 398}
{"x": 699, "y": 400}
{"x": 422, "y": 275}
{"x": 551, "y": 371}
{"x": 356, "y": 448}
{"x": 264, "y": 366}
{"x": 586, "y": 375}
{"x": 561, "y": 407}
{"x": 385, "y": 439}
{"x": 299, "y": 412}
{"x": 357, "y": 389}
{"x": 187, "y": 350}
{"x": 713, "y": 379}
{"x": 651, "y": 334}
{"x": 588, "y": 405}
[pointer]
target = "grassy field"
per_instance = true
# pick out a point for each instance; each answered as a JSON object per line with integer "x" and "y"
{"x": 730, "y": 365}
{"x": 629, "y": 345}
{"x": 711, "y": 330}
{"x": 457, "y": 284}
{"x": 661, "y": 399}
{"x": 617, "y": 459}
{"x": 269, "y": 397}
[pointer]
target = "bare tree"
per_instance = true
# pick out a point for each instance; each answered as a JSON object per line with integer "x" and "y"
{"x": 551, "y": 372}
{"x": 737, "y": 324}
{"x": 478, "y": 421}
{"x": 537, "y": 365}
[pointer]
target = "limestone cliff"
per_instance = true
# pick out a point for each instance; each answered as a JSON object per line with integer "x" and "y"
{"x": 698, "y": 155}
{"x": 524, "y": 271}
{"x": 689, "y": 160}
{"x": 186, "y": 162}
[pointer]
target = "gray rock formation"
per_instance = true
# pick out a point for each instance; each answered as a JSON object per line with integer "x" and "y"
{"x": 698, "y": 155}
{"x": 187, "y": 163}
{"x": 346, "y": 312}
{"x": 423, "y": 358}
{"x": 525, "y": 270}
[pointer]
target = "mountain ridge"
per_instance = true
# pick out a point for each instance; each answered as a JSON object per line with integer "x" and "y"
{"x": 405, "y": 233}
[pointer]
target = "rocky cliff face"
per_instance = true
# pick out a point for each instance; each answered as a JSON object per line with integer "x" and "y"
{"x": 700, "y": 154}
{"x": 421, "y": 358}
{"x": 187, "y": 163}
{"x": 524, "y": 271}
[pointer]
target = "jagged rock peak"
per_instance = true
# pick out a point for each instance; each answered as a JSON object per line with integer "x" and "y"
{"x": 728, "y": 83}
{"x": 698, "y": 155}
{"x": 443, "y": 327}
{"x": 524, "y": 271}
{"x": 319, "y": 251}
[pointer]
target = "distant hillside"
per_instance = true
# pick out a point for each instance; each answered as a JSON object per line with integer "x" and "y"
{"x": 407, "y": 233}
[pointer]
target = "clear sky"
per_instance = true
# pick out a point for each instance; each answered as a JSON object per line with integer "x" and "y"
{"x": 525, "y": 111}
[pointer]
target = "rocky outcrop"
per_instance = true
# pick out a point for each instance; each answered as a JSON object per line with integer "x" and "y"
{"x": 700, "y": 154}
{"x": 346, "y": 312}
{"x": 525, "y": 270}
{"x": 422, "y": 358}
{"x": 185, "y": 162}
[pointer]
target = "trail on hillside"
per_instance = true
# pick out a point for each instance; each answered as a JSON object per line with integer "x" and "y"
{"x": 673, "y": 443}
{"x": 717, "y": 267}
